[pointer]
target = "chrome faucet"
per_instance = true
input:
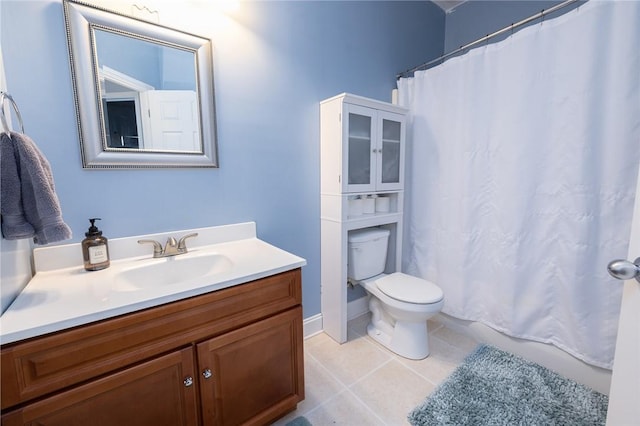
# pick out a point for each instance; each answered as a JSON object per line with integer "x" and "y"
{"x": 171, "y": 248}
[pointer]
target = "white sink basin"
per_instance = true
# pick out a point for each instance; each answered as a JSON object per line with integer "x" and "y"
{"x": 170, "y": 271}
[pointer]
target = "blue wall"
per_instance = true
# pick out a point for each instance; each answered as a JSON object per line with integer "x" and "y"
{"x": 274, "y": 61}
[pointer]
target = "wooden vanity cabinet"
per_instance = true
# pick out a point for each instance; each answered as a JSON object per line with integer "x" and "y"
{"x": 230, "y": 357}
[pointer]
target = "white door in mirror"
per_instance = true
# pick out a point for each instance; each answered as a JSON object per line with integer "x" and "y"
{"x": 170, "y": 117}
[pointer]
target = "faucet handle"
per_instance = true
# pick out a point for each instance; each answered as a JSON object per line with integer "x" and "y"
{"x": 157, "y": 248}
{"x": 182, "y": 245}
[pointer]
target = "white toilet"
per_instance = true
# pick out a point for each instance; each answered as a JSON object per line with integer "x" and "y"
{"x": 400, "y": 304}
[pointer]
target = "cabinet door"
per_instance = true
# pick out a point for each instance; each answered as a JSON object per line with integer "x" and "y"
{"x": 151, "y": 393}
{"x": 359, "y": 149}
{"x": 390, "y": 153}
{"x": 253, "y": 375}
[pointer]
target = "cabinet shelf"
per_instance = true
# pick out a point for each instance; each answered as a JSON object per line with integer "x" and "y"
{"x": 365, "y": 220}
{"x": 369, "y": 220}
{"x": 336, "y": 207}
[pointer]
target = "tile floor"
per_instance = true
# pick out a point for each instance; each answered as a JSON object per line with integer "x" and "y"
{"x": 362, "y": 383}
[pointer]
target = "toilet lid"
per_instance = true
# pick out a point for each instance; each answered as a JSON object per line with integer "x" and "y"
{"x": 409, "y": 289}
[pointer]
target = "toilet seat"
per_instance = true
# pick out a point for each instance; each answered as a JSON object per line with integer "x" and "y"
{"x": 406, "y": 288}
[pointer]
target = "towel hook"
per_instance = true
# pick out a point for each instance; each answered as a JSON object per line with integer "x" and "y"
{"x": 3, "y": 117}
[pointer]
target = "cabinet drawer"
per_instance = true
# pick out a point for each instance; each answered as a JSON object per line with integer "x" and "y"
{"x": 53, "y": 362}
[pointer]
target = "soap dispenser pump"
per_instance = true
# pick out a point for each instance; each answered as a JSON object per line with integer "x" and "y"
{"x": 95, "y": 250}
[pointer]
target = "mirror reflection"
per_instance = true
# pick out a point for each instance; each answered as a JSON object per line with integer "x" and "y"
{"x": 148, "y": 93}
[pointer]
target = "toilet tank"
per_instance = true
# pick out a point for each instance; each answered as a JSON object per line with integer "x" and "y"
{"x": 367, "y": 253}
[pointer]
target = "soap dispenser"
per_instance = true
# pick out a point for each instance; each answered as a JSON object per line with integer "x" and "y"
{"x": 95, "y": 250}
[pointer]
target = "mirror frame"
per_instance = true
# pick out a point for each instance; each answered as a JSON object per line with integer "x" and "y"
{"x": 80, "y": 20}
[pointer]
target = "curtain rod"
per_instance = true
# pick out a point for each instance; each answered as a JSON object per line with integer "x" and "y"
{"x": 484, "y": 39}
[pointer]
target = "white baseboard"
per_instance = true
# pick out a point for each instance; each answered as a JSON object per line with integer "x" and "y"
{"x": 313, "y": 324}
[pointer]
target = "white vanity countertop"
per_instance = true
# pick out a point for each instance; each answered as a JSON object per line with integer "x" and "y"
{"x": 62, "y": 294}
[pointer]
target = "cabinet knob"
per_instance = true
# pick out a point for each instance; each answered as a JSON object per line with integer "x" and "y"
{"x": 207, "y": 373}
{"x": 188, "y": 381}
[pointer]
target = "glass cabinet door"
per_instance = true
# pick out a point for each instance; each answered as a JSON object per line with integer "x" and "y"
{"x": 360, "y": 161}
{"x": 359, "y": 149}
{"x": 391, "y": 150}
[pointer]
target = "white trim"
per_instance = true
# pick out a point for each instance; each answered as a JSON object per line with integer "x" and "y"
{"x": 312, "y": 326}
{"x": 123, "y": 80}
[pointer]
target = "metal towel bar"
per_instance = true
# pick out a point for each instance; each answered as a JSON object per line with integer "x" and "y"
{"x": 3, "y": 117}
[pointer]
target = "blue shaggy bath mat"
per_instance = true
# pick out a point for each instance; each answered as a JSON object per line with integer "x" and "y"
{"x": 493, "y": 387}
{"x": 299, "y": 421}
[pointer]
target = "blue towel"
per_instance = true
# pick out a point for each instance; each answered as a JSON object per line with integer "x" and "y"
{"x": 28, "y": 201}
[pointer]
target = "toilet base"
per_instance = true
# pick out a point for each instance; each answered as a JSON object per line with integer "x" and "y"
{"x": 399, "y": 326}
{"x": 407, "y": 339}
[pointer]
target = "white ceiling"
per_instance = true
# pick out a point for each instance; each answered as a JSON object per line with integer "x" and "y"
{"x": 448, "y": 5}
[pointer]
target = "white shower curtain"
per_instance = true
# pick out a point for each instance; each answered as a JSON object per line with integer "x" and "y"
{"x": 522, "y": 163}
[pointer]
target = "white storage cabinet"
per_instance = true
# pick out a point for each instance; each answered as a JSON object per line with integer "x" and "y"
{"x": 362, "y": 156}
